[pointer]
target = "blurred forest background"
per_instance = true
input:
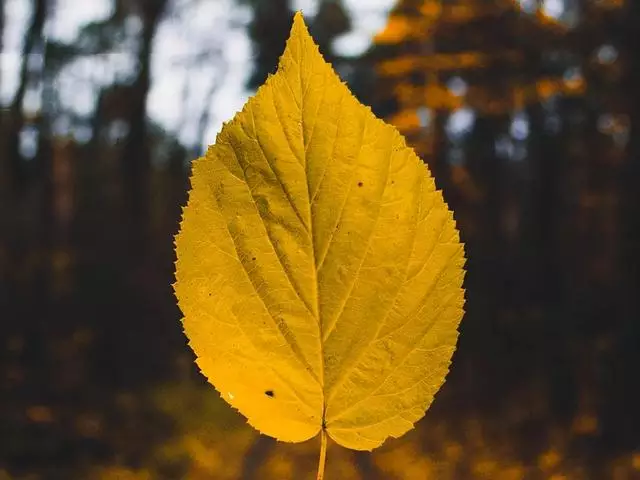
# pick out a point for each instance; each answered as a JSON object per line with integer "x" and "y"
{"x": 527, "y": 112}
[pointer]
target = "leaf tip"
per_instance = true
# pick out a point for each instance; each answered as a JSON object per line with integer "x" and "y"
{"x": 299, "y": 26}
{"x": 298, "y": 18}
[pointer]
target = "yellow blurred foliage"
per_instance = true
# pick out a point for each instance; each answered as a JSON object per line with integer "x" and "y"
{"x": 585, "y": 424}
{"x": 121, "y": 473}
{"x": 40, "y": 414}
{"x": 549, "y": 460}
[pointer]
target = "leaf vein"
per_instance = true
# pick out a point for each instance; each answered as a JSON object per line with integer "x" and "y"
{"x": 441, "y": 309}
{"x": 357, "y": 274}
{"x": 315, "y": 118}
{"x": 333, "y": 151}
{"x": 295, "y": 348}
{"x": 345, "y": 372}
{"x": 281, "y": 125}
{"x": 282, "y": 187}
{"x": 326, "y": 249}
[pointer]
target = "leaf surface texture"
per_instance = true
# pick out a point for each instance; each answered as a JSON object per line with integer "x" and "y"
{"x": 318, "y": 269}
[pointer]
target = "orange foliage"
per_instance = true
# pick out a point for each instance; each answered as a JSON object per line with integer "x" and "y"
{"x": 405, "y": 120}
{"x": 402, "y": 66}
{"x": 401, "y": 29}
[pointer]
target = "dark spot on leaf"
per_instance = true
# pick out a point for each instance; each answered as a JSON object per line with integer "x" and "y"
{"x": 269, "y": 393}
{"x": 392, "y": 182}
{"x": 360, "y": 184}
{"x": 253, "y": 258}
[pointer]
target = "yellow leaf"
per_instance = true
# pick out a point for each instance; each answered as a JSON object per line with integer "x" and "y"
{"x": 318, "y": 269}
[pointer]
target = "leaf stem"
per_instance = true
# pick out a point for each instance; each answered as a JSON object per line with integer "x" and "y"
{"x": 323, "y": 454}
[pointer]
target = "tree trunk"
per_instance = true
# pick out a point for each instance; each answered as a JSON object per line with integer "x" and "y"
{"x": 15, "y": 166}
{"x": 623, "y": 420}
{"x": 136, "y": 161}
